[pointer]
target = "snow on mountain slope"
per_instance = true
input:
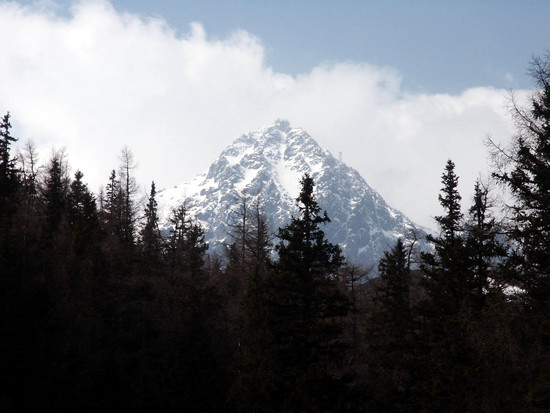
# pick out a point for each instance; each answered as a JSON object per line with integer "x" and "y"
{"x": 269, "y": 163}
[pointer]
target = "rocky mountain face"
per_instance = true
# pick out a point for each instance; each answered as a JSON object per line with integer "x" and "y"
{"x": 266, "y": 166}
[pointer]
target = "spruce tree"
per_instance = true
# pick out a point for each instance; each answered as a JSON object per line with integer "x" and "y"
{"x": 83, "y": 214}
{"x": 118, "y": 217}
{"x": 111, "y": 208}
{"x": 55, "y": 195}
{"x": 196, "y": 304}
{"x": 484, "y": 250}
{"x": 445, "y": 279}
{"x": 394, "y": 297}
{"x": 8, "y": 170}
{"x": 445, "y": 270}
{"x": 186, "y": 245}
{"x": 529, "y": 182}
{"x": 15, "y": 326}
{"x": 295, "y": 346}
{"x": 390, "y": 333}
{"x": 150, "y": 237}
{"x": 9, "y": 183}
{"x": 526, "y": 174}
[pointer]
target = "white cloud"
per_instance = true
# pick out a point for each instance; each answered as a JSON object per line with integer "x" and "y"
{"x": 98, "y": 80}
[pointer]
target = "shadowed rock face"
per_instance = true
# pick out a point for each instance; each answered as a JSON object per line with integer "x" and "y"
{"x": 267, "y": 164}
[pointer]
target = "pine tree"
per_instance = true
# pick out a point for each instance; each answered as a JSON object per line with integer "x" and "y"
{"x": 111, "y": 207}
{"x": 118, "y": 217}
{"x": 28, "y": 221}
{"x": 55, "y": 194}
{"x": 294, "y": 343}
{"x": 196, "y": 306}
{"x": 484, "y": 250}
{"x": 526, "y": 173}
{"x": 150, "y": 237}
{"x": 529, "y": 183}
{"x": 82, "y": 214}
{"x": 14, "y": 300}
{"x": 186, "y": 246}
{"x": 391, "y": 328}
{"x": 8, "y": 170}
{"x": 9, "y": 183}
{"x": 394, "y": 298}
{"x": 445, "y": 279}
{"x": 445, "y": 270}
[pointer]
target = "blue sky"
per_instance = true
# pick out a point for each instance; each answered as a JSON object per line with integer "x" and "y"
{"x": 437, "y": 46}
{"x": 398, "y": 87}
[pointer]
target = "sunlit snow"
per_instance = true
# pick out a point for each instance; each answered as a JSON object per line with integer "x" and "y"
{"x": 267, "y": 165}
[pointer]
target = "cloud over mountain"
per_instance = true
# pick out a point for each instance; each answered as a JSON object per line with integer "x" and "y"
{"x": 93, "y": 80}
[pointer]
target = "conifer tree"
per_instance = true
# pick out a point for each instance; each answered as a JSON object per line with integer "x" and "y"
{"x": 118, "y": 215}
{"x": 83, "y": 214}
{"x": 445, "y": 270}
{"x": 13, "y": 281}
{"x": 186, "y": 246}
{"x": 55, "y": 194}
{"x": 394, "y": 298}
{"x": 390, "y": 333}
{"x": 445, "y": 278}
{"x": 8, "y": 170}
{"x": 28, "y": 220}
{"x": 295, "y": 343}
{"x": 526, "y": 173}
{"x": 483, "y": 247}
{"x": 197, "y": 305}
{"x": 529, "y": 183}
{"x": 180, "y": 222}
{"x": 150, "y": 237}
{"x": 111, "y": 208}
{"x": 9, "y": 182}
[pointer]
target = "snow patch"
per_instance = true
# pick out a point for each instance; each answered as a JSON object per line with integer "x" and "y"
{"x": 249, "y": 175}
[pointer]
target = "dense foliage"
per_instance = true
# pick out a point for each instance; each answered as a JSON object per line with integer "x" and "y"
{"x": 100, "y": 309}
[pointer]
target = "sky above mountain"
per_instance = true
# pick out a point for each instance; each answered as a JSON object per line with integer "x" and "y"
{"x": 396, "y": 87}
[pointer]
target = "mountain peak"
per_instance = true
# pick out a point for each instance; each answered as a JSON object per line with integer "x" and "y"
{"x": 266, "y": 165}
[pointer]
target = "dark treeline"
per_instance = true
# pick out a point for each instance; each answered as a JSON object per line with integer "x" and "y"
{"x": 100, "y": 309}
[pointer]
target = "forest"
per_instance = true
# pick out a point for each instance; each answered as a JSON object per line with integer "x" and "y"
{"x": 100, "y": 309}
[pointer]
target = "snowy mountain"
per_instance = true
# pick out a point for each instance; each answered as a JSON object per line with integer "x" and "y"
{"x": 269, "y": 163}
